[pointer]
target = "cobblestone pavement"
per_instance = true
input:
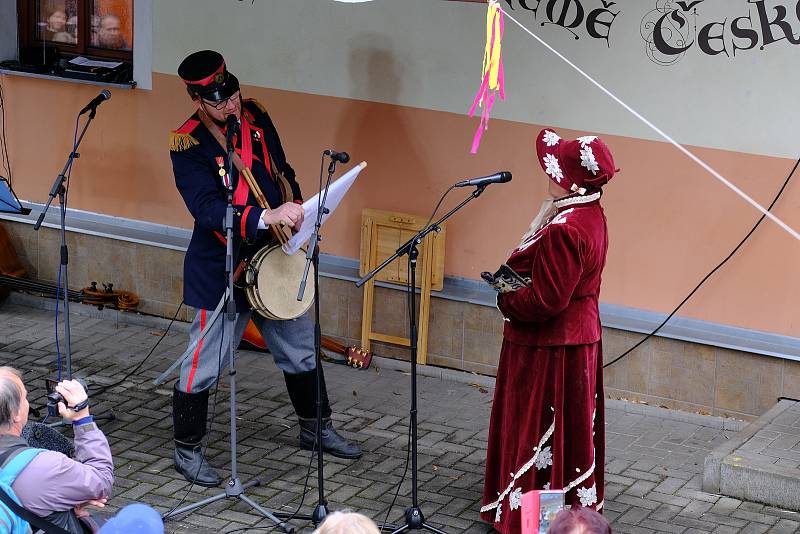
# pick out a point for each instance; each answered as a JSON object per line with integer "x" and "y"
{"x": 654, "y": 463}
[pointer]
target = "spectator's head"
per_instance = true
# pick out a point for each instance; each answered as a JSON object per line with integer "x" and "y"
{"x": 109, "y": 34}
{"x": 13, "y": 402}
{"x": 579, "y": 520}
{"x": 138, "y": 518}
{"x": 347, "y": 523}
{"x": 56, "y": 20}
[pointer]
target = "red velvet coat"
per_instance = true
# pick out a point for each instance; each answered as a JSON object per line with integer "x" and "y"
{"x": 547, "y": 425}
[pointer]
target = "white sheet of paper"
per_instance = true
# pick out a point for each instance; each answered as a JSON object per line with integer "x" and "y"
{"x": 336, "y": 193}
{"x": 86, "y": 62}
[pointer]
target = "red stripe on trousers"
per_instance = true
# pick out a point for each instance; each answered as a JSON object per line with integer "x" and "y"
{"x": 196, "y": 353}
{"x": 244, "y": 220}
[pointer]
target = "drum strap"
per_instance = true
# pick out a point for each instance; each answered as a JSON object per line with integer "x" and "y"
{"x": 243, "y": 171}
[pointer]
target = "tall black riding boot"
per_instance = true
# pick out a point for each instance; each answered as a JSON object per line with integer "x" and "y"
{"x": 302, "y": 388}
{"x": 189, "y": 413}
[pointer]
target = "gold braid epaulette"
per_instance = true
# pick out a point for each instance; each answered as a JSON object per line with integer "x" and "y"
{"x": 181, "y": 141}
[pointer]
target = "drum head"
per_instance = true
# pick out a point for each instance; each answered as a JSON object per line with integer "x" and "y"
{"x": 275, "y": 293}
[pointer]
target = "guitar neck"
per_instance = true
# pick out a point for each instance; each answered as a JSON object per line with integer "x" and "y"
{"x": 332, "y": 344}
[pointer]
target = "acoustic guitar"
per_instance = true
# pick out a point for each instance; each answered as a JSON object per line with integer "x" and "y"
{"x": 354, "y": 357}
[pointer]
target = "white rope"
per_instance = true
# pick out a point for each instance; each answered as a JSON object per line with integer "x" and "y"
{"x": 656, "y": 129}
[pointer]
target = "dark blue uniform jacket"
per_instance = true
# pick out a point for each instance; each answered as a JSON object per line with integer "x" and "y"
{"x": 195, "y": 162}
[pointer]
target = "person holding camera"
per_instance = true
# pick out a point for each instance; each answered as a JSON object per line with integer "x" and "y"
{"x": 53, "y": 485}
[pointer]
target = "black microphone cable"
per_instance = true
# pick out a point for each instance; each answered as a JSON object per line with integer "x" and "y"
{"x": 103, "y": 389}
{"x": 382, "y": 526}
{"x": 710, "y": 274}
{"x": 208, "y": 434}
{"x": 206, "y": 442}
{"x": 207, "y": 439}
{"x": 213, "y": 406}
{"x": 299, "y": 505}
{"x": 65, "y": 187}
{"x": 438, "y": 205}
{"x": 213, "y": 416}
{"x": 4, "y": 148}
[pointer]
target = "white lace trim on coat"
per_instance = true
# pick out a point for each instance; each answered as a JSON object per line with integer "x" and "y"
{"x": 525, "y": 468}
{"x": 589, "y": 472}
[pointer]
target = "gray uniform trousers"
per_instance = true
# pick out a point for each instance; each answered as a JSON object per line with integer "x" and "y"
{"x": 290, "y": 342}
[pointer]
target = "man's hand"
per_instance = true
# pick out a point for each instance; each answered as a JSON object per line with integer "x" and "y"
{"x": 299, "y": 222}
{"x": 289, "y": 214}
{"x": 74, "y": 394}
{"x": 81, "y": 511}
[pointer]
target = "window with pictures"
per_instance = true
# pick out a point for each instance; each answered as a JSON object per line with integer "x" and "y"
{"x": 101, "y": 28}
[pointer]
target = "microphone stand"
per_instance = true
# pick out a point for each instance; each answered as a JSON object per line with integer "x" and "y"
{"x": 312, "y": 257}
{"x": 60, "y": 189}
{"x": 234, "y": 488}
{"x": 414, "y": 519}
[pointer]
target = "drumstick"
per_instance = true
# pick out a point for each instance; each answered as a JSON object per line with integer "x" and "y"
{"x": 244, "y": 171}
{"x": 262, "y": 201}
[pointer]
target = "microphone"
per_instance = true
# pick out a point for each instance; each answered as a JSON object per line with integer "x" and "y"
{"x": 496, "y": 178}
{"x": 231, "y": 129}
{"x": 105, "y": 94}
{"x": 341, "y": 157}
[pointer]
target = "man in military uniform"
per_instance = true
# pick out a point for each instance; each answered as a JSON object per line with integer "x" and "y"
{"x": 199, "y": 164}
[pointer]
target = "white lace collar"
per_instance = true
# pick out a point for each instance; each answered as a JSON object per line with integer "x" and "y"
{"x": 557, "y": 208}
{"x": 575, "y": 199}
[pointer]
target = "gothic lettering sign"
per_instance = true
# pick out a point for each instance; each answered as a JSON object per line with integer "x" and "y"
{"x": 673, "y": 29}
{"x": 670, "y": 29}
{"x": 592, "y": 18}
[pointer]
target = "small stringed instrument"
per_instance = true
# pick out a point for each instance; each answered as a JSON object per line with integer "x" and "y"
{"x": 108, "y": 296}
{"x": 12, "y": 276}
{"x": 357, "y": 358}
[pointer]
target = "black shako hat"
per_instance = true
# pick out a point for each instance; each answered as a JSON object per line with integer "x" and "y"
{"x": 205, "y": 76}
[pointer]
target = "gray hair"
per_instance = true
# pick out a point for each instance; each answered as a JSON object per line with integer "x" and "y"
{"x": 347, "y": 522}
{"x": 108, "y": 16}
{"x": 10, "y": 395}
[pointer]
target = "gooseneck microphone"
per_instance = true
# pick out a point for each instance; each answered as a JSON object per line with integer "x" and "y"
{"x": 341, "y": 157}
{"x": 231, "y": 129}
{"x": 496, "y": 178}
{"x": 104, "y": 95}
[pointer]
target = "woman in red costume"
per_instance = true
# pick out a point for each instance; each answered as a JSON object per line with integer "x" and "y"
{"x": 547, "y": 425}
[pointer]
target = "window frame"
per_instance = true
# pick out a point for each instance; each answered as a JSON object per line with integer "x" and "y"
{"x": 26, "y": 28}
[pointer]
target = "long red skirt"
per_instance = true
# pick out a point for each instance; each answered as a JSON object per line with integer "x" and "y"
{"x": 547, "y": 429}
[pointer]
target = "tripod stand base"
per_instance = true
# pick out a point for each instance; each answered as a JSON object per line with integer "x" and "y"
{"x": 414, "y": 521}
{"x": 235, "y": 490}
{"x": 316, "y": 517}
{"x": 320, "y": 513}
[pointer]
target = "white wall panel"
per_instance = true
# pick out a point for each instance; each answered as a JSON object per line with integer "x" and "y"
{"x": 427, "y": 54}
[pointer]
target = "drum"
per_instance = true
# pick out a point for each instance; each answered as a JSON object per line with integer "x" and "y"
{"x": 272, "y": 280}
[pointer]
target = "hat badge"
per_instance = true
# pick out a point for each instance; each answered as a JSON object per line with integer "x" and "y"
{"x": 219, "y": 77}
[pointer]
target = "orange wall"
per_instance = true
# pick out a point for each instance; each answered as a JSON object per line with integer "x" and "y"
{"x": 670, "y": 223}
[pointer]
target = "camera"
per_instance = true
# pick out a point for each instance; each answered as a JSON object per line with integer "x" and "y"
{"x": 54, "y": 397}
